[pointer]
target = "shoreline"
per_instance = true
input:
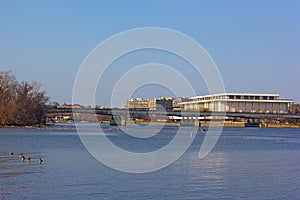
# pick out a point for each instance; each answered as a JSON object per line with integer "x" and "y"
{"x": 218, "y": 124}
{"x": 203, "y": 124}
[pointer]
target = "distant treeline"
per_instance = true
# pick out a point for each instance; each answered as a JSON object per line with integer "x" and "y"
{"x": 21, "y": 103}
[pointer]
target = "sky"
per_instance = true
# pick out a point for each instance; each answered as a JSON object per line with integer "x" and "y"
{"x": 255, "y": 44}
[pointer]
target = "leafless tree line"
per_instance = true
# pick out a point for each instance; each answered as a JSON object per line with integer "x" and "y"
{"x": 21, "y": 103}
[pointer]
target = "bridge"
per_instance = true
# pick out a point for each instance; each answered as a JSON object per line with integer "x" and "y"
{"x": 188, "y": 118}
{"x": 125, "y": 112}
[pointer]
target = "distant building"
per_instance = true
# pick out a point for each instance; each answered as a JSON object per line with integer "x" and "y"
{"x": 238, "y": 102}
{"x": 161, "y": 103}
{"x": 176, "y": 102}
{"x": 138, "y": 103}
{"x": 70, "y": 106}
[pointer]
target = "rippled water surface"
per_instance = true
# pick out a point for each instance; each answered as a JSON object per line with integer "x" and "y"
{"x": 246, "y": 163}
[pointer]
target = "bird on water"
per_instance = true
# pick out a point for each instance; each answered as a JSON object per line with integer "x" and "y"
{"x": 41, "y": 161}
{"x": 28, "y": 160}
{"x": 22, "y": 157}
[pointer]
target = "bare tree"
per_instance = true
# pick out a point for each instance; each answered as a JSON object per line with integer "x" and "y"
{"x": 20, "y": 103}
{"x": 8, "y": 86}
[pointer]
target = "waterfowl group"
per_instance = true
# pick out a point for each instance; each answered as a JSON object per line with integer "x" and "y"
{"x": 27, "y": 160}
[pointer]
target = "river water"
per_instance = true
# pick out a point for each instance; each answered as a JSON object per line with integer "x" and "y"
{"x": 246, "y": 163}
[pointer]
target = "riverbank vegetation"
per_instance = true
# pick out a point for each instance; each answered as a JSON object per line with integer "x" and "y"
{"x": 21, "y": 103}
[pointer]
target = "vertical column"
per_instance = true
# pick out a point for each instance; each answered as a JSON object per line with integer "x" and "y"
{"x": 117, "y": 121}
{"x": 222, "y": 106}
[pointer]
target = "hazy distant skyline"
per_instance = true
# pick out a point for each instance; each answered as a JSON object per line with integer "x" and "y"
{"x": 255, "y": 44}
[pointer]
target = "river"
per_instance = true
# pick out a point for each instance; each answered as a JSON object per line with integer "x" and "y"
{"x": 246, "y": 163}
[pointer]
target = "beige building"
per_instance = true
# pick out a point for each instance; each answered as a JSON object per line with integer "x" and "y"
{"x": 161, "y": 103}
{"x": 238, "y": 102}
{"x": 138, "y": 103}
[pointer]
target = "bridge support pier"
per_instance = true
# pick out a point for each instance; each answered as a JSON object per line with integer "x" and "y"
{"x": 117, "y": 121}
{"x": 263, "y": 125}
{"x": 186, "y": 121}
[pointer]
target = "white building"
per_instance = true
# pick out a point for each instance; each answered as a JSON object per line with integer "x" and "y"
{"x": 238, "y": 102}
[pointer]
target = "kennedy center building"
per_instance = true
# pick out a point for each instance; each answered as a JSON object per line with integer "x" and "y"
{"x": 238, "y": 102}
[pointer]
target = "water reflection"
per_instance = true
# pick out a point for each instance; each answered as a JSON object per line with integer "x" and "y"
{"x": 203, "y": 172}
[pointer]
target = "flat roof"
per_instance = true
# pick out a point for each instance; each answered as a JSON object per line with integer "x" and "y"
{"x": 240, "y": 100}
{"x": 235, "y": 94}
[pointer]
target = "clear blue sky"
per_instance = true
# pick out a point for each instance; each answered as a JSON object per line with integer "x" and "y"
{"x": 255, "y": 44}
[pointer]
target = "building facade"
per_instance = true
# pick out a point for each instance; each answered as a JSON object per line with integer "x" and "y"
{"x": 138, "y": 103}
{"x": 176, "y": 103}
{"x": 160, "y": 104}
{"x": 238, "y": 102}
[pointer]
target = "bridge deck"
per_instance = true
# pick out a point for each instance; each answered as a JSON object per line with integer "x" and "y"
{"x": 123, "y": 112}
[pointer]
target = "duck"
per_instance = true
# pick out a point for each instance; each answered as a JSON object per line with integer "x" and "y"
{"x": 22, "y": 157}
{"x": 28, "y": 160}
{"x": 202, "y": 129}
{"x": 12, "y": 153}
{"x": 41, "y": 161}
